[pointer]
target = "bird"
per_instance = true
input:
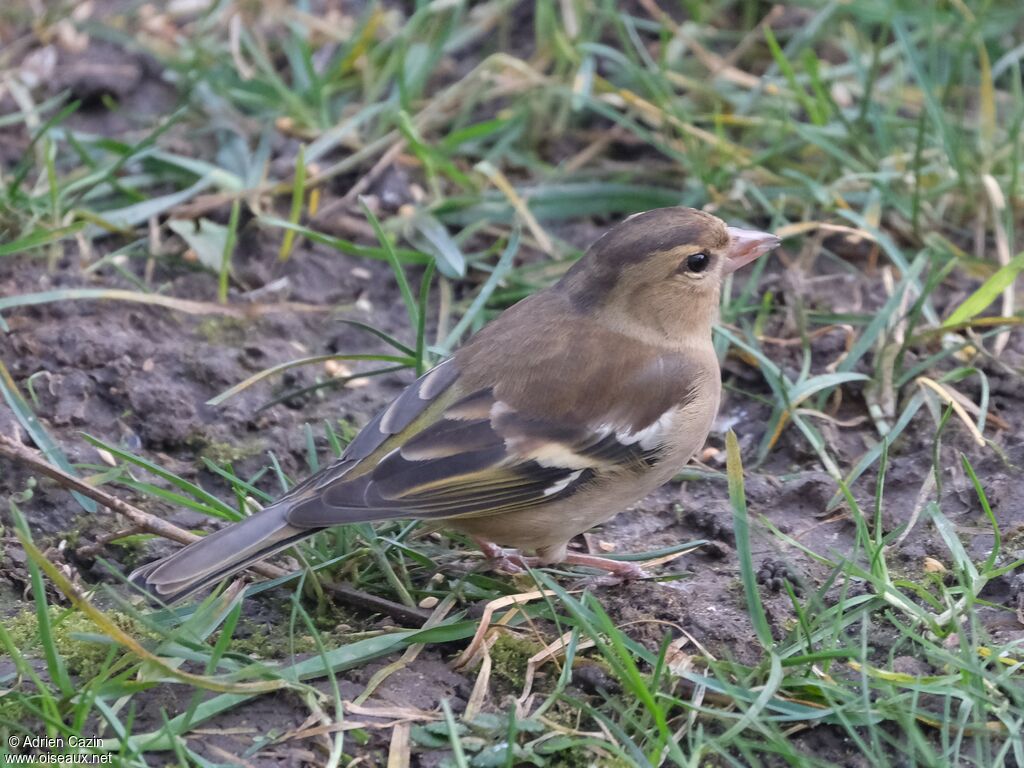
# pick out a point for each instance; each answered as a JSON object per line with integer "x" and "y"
{"x": 571, "y": 406}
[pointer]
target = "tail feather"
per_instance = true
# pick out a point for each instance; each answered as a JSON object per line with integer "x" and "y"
{"x": 215, "y": 557}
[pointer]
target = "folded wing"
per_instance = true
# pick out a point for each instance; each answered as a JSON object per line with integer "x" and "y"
{"x": 474, "y": 455}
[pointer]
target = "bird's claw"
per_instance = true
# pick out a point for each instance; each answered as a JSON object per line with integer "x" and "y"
{"x": 513, "y": 562}
{"x": 508, "y": 561}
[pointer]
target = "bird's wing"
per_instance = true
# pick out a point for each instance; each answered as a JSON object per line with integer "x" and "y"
{"x": 443, "y": 451}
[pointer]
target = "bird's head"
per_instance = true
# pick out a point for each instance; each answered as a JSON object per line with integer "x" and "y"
{"x": 662, "y": 270}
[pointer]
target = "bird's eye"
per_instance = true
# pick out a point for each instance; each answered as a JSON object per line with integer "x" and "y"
{"x": 697, "y": 262}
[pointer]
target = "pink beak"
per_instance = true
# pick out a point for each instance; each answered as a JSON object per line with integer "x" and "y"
{"x": 745, "y": 245}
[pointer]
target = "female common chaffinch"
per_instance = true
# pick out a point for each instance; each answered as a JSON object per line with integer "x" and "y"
{"x": 571, "y": 406}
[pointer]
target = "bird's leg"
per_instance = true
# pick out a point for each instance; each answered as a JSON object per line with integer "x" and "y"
{"x": 623, "y": 569}
{"x": 513, "y": 561}
{"x": 620, "y": 569}
{"x": 508, "y": 560}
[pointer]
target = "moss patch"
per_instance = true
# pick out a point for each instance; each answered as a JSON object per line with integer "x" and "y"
{"x": 509, "y": 657}
{"x": 261, "y": 644}
{"x": 227, "y": 453}
{"x": 276, "y": 640}
{"x": 83, "y": 658}
{"x": 223, "y": 330}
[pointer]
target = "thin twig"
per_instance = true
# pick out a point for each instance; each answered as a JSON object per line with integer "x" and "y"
{"x": 148, "y": 523}
{"x": 378, "y": 168}
{"x": 93, "y": 549}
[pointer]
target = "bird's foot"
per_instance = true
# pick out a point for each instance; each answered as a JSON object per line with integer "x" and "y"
{"x": 620, "y": 570}
{"x": 506, "y": 560}
{"x": 513, "y": 561}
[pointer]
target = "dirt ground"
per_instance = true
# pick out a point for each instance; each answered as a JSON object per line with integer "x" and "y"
{"x": 140, "y": 376}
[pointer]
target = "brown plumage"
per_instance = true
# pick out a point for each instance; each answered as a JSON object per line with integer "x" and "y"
{"x": 574, "y": 404}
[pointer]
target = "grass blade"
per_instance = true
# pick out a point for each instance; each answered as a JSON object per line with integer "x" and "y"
{"x": 27, "y": 419}
{"x": 987, "y": 292}
{"x": 396, "y": 266}
{"x": 274, "y": 369}
{"x": 38, "y": 238}
{"x": 741, "y": 527}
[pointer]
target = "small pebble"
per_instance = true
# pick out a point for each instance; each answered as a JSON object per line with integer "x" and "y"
{"x": 336, "y": 369}
{"x": 709, "y": 454}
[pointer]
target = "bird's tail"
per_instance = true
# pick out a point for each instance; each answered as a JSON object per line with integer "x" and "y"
{"x": 205, "y": 562}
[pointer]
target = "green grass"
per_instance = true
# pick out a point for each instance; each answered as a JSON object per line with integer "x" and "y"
{"x": 883, "y": 140}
